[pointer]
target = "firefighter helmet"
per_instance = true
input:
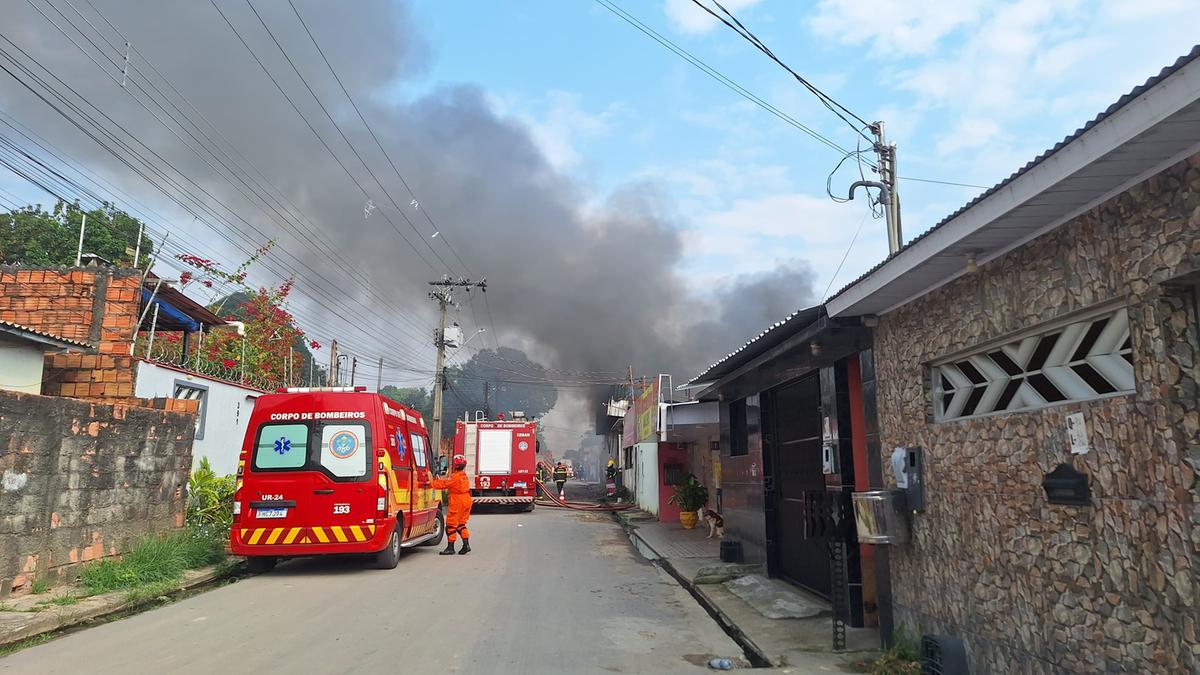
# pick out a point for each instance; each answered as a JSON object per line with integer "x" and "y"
{"x": 460, "y": 462}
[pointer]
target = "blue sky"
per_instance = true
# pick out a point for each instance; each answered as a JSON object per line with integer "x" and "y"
{"x": 970, "y": 91}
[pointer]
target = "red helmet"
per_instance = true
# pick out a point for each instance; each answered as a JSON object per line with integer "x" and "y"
{"x": 459, "y": 462}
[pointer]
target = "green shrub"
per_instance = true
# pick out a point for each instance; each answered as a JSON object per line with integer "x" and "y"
{"x": 210, "y": 497}
{"x": 902, "y": 658}
{"x": 40, "y": 586}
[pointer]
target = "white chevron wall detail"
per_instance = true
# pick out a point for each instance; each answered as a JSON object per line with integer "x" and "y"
{"x": 1084, "y": 360}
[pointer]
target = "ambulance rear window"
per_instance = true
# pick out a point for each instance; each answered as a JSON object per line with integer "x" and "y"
{"x": 281, "y": 446}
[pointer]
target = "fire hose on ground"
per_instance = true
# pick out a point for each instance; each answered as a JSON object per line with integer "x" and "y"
{"x": 556, "y": 502}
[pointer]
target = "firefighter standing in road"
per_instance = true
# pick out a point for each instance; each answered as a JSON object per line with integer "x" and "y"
{"x": 560, "y": 479}
{"x": 460, "y": 505}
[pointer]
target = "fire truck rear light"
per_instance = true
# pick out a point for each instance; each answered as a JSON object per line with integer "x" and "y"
{"x": 381, "y": 504}
{"x": 237, "y": 508}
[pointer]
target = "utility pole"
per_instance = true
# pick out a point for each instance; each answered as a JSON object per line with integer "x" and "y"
{"x": 353, "y": 369}
{"x": 79, "y": 251}
{"x": 331, "y": 376}
{"x": 379, "y": 378}
{"x": 487, "y": 399}
{"x": 442, "y": 294}
{"x": 889, "y": 197}
{"x": 887, "y": 175}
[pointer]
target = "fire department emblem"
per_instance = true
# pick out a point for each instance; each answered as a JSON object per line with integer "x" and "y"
{"x": 343, "y": 445}
{"x": 485, "y": 482}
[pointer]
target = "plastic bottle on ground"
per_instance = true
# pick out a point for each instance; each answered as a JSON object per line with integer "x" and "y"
{"x": 720, "y": 664}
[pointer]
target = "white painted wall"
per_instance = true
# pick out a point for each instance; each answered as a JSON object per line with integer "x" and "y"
{"x": 21, "y": 365}
{"x": 224, "y": 412}
{"x": 645, "y": 466}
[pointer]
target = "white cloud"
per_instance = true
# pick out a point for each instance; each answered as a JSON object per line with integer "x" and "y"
{"x": 754, "y": 234}
{"x": 893, "y": 28}
{"x": 688, "y": 18}
{"x": 559, "y": 123}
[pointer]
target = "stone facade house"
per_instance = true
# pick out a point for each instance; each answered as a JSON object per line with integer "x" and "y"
{"x": 1050, "y": 323}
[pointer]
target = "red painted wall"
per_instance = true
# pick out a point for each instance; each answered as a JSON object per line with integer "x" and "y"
{"x": 668, "y": 453}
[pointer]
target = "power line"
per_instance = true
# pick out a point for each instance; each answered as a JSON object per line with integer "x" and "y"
{"x": 313, "y": 129}
{"x": 718, "y": 76}
{"x": 332, "y": 253}
{"x": 828, "y": 101}
{"x": 345, "y": 138}
{"x": 371, "y": 130}
{"x": 124, "y": 160}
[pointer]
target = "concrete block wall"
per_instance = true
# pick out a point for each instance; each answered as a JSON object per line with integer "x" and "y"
{"x": 81, "y": 480}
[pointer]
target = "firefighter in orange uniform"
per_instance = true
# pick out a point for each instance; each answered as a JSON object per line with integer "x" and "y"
{"x": 460, "y": 505}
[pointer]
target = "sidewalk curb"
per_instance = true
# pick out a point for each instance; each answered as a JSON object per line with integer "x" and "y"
{"x": 18, "y": 626}
{"x": 755, "y": 654}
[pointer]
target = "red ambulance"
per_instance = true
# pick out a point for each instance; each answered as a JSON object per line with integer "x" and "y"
{"x": 334, "y": 470}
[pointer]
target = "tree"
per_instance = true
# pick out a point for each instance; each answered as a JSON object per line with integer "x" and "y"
{"x": 31, "y": 236}
{"x": 512, "y": 382}
{"x": 417, "y": 398}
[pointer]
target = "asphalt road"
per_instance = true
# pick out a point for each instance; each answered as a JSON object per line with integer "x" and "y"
{"x": 542, "y": 592}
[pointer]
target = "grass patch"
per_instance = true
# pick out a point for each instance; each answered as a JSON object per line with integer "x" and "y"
{"x": 158, "y": 560}
{"x": 34, "y": 641}
{"x": 5, "y": 607}
{"x": 40, "y": 586}
{"x": 60, "y": 600}
{"x": 159, "y": 590}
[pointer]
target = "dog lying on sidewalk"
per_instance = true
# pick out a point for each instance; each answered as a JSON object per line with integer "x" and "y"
{"x": 716, "y": 524}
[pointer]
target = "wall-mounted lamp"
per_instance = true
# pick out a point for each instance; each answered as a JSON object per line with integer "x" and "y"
{"x": 815, "y": 348}
{"x": 972, "y": 266}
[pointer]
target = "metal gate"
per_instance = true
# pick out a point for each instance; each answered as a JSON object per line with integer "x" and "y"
{"x": 802, "y": 510}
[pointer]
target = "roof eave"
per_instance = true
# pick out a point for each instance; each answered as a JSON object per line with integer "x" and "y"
{"x": 1172, "y": 94}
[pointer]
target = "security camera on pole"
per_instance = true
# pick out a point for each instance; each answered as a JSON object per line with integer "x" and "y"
{"x": 442, "y": 293}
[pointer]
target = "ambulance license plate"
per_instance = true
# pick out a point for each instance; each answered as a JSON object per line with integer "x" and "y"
{"x": 521, "y": 484}
{"x": 272, "y": 513}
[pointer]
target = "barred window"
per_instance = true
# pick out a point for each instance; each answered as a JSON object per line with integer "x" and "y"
{"x": 1088, "y": 359}
{"x": 194, "y": 392}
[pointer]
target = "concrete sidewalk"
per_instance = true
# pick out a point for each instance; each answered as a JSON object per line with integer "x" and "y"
{"x": 776, "y": 623}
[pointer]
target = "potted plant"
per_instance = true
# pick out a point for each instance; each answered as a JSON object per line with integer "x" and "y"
{"x": 690, "y": 497}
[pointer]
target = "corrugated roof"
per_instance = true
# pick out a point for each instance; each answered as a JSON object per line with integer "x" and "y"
{"x": 183, "y": 303}
{"x": 17, "y": 329}
{"x": 1120, "y": 103}
{"x": 773, "y": 335}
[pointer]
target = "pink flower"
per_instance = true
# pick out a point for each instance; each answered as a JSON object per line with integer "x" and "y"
{"x": 185, "y": 277}
{"x": 229, "y": 363}
{"x": 314, "y": 344}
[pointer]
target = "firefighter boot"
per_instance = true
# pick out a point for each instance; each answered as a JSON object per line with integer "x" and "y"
{"x": 466, "y": 547}
{"x": 449, "y": 550}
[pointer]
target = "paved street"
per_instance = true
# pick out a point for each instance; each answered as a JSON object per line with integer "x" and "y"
{"x": 544, "y": 592}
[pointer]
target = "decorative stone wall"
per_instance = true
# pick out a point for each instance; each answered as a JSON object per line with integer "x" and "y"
{"x": 1039, "y": 588}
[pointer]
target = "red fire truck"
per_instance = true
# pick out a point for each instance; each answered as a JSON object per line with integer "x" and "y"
{"x": 501, "y": 459}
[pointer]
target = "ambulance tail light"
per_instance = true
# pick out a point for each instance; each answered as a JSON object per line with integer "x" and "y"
{"x": 381, "y": 503}
{"x": 237, "y": 506}
{"x": 309, "y": 390}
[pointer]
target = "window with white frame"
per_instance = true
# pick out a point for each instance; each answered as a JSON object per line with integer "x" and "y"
{"x": 1087, "y": 359}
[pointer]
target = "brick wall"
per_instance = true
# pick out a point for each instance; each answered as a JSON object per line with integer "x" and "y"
{"x": 96, "y": 305}
{"x": 1040, "y": 588}
{"x": 82, "y": 480}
